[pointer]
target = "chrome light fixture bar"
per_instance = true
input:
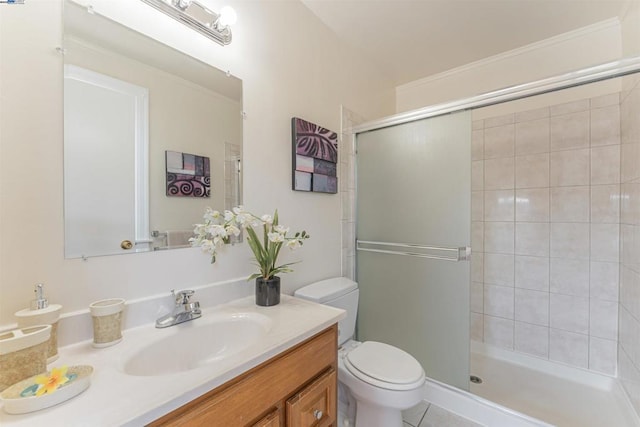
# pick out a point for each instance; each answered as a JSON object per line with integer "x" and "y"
{"x": 195, "y": 15}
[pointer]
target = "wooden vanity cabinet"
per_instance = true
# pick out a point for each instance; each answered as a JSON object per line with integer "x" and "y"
{"x": 272, "y": 420}
{"x": 297, "y": 388}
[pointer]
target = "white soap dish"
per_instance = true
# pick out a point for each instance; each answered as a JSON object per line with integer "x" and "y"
{"x": 21, "y": 397}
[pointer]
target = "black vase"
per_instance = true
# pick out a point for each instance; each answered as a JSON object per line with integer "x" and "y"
{"x": 267, "y": 291}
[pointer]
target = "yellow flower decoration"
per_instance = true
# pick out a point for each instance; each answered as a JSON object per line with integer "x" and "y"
{"x": 50, "y": 383}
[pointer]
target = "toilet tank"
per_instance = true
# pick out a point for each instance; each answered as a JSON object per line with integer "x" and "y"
{"x": 337, "y": 292}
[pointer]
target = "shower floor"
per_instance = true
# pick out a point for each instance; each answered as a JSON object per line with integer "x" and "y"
{"x": 551, "y": 397}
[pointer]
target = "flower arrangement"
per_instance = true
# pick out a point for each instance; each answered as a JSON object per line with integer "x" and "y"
{"x": 219, "y": 227}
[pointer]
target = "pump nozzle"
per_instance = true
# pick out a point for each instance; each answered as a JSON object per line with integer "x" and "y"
{"x": 40, "y": 302}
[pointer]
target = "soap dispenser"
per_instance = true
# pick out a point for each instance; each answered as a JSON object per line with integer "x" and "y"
{"x": 42, "y": 313}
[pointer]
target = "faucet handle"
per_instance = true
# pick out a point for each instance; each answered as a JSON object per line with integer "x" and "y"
{"x": 183, "y": 297}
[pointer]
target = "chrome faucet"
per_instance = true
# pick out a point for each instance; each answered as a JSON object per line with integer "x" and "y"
{"x": 183, "y": 311}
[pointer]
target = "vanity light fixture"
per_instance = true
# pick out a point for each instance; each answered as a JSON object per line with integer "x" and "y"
{"x": 215, "y": 26}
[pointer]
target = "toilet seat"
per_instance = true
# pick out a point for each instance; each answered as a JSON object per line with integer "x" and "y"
{"x": 384, "y": 366}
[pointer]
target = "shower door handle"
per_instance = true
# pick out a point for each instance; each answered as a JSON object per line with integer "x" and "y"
{"x": 460, "y": 253}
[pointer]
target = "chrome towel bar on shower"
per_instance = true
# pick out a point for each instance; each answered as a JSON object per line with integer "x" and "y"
{"x": 461, "y": 253}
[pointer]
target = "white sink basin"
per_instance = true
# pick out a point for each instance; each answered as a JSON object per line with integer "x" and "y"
{"x": 195, "y": 344}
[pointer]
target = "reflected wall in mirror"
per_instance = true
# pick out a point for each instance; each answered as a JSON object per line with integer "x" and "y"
{"x": 128, "y": 99}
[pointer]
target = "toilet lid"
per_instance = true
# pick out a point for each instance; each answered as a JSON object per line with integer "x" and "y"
{"x": 384, "y": 363}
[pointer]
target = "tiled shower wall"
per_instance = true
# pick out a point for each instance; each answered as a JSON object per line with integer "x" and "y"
{"x": 629, "y": 345}
{"x": 347, "y": 187}
{"x": 545, "y": 232}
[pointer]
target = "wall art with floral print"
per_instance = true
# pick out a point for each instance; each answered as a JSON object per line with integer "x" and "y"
{"x": 314, "y": 157}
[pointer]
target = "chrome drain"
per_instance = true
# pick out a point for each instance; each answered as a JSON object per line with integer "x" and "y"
{"x": 475, "y": 380}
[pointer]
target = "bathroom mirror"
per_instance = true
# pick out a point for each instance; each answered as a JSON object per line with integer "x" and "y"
{"x": 152, "y": 137}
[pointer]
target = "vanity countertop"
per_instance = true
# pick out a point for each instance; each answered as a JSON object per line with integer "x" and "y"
{"x": 116, "y": 398}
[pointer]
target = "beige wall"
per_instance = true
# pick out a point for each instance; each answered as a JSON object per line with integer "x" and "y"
{"x": 578, "y": 49}
{"x": 291, "y": 65}
{"x": 630, "y": 29}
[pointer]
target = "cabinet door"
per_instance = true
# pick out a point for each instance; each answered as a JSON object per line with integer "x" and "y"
{"x": 271, "y": 420}
{"x": 314, "y": 405}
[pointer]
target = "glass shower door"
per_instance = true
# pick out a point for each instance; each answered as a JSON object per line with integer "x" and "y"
{"x": 413, "y": 231}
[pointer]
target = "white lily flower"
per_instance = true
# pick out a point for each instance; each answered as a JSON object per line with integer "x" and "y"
{"x": 293, "y": 244}
{"x": 207, "y": 246}
{"x": 217, "y": 227}
{"x": 221, "y": 231}
{"x": 232, "y": 229}
{"x": 281, "y": 229}
{"x": 211, "y": 215}
{"x": 275, "y": 237}
{"x": 214, "y": 229}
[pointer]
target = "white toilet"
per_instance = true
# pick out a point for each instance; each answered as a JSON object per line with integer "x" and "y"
{"x": 381, "y": 379}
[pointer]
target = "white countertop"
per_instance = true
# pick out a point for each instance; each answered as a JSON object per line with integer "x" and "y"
{"x": 116, "y": 398}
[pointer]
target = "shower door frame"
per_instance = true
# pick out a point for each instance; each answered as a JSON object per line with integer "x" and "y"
{"x": 606, "y": 71}
{"x": 584, "y": 76}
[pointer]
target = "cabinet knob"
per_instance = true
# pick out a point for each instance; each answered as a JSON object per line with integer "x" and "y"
{"x": 317, "y": 414}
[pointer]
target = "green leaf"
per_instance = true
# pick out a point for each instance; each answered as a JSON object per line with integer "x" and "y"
{"x": 256, "y": 247}
{"x": 265, "y": 235}
{"x": 284, "y": 268}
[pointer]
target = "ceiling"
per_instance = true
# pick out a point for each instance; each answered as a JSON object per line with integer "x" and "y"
{"x": 411, "y": 39}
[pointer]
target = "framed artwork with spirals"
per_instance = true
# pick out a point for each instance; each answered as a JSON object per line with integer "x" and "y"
{"x": 188, "y": 175}
{"x": 315, "y": 157}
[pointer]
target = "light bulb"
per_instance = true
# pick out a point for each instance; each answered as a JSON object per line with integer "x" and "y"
{"x": 227, "y": 17}
{"x": 182, "y": 4}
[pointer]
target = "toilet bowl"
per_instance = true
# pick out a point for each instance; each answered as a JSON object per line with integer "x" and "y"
{"x": 380, "y": 379}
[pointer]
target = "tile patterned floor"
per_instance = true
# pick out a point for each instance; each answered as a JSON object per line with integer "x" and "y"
{"x": 425, "y": 414}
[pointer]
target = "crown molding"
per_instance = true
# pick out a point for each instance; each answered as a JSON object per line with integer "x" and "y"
{"x": 552, "y": 41}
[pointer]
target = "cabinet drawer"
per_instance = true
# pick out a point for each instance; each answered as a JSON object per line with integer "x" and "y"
{"x": 314, "y": 405}
{"x": 271, "y": 420}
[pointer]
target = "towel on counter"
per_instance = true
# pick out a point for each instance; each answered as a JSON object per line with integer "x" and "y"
{"x": 178, "y": 238}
